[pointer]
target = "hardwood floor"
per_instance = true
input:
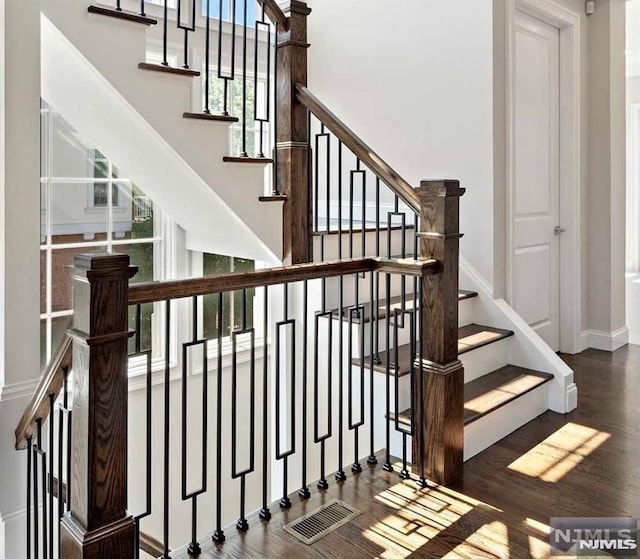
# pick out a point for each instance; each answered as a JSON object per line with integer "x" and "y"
{"x": 581, "y": 464}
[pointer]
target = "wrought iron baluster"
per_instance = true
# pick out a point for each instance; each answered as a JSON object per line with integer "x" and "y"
{"x": 194, "y": 546}
{"x": 165, "y": 34}
{"x": 232, "y": 61}
{"x": 188, "y": 27}
{"x": 51, "y": 446}
{"x": 317, "y": 437}
{"x": 167, "y": 427}
{"x": 281, "y": 454}
{"x": 218, "y": 536}
{"x": 387, "y": 466}
{"x": 262, "y": 119}
{"x": 244, "y": 81}
{"x": 304, "y": 492}
{"x": 29, "y": 474}
{"x": 265, "y": 513}
{"x": 242, "y": 523}
{"x": 340, "y": 474}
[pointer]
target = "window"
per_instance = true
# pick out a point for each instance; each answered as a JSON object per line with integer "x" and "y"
{"x": 228, "y": 9}
{"x": 118, "y": 216}
{"x": 235, "y": 106}
{"x": 235, "y": 311}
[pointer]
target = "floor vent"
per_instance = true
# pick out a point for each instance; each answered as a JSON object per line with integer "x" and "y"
{"x": 321, "y": 521}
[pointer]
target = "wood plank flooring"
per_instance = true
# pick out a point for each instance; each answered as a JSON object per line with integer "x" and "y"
{"x": 585, "y": 463}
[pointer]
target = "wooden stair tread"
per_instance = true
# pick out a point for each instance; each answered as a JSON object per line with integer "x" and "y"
{"x": 470, "y": 337}
{"x": 209, "y": 116}
{"x": 122, "y": 14}
{"x": 168, "y": 69}
{"x": 257, "y": 160}
{"x": 273, "y": 198}
{"x": 492, "y": 391}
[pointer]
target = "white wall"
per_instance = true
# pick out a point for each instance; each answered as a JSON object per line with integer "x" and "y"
{"x": 414, "y": 80}
{"x": 19, "y": 247}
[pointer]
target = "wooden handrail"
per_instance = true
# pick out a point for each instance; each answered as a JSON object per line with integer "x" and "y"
{"x": 369, "y": 157}
{"x": 153, "y": 292}
{"x": 50, "y": 384}
{"x": 275, "y": 13}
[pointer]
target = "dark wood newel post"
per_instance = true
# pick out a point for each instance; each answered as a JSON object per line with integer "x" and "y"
{"x": 440, "y": 372}
{"x": 99, "y": 526}
{"x": 292, "y": 134}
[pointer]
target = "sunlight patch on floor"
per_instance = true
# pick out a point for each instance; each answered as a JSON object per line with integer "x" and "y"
{"x": 560, "y": 453}
{"x": 444, "y": 523}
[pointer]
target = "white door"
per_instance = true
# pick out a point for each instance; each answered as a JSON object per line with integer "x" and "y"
{"x": 535, "y": 190}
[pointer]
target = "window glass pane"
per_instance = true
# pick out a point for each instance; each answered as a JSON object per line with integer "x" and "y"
{"x": 73, "y": 217}
{"x": 134, "y": 217}
{"x": 61, "y": 292}
{"x": 59, "y": 325}
{"x": 232, "y": 303}
{"x": 227, "y": 9}
{"x": 141, "y": 255}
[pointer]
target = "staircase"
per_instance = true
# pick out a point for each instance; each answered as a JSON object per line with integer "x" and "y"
{"x": 376, "y": 312}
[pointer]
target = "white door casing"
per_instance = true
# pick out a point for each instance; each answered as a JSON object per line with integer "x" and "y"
{"x": 535, "y": 188}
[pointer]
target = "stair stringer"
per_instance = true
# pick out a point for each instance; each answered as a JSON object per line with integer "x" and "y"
{"x": 527, "y": 348}
{"x": 136, "y": 117}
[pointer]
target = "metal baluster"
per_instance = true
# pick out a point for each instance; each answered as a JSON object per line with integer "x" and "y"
{"x": 404, "y": 473}
{"x": 167, "y": 426}
{"x": 285, "y": 502}
{"x": 340, "y": 474}
{"x": 63, "y": 409}
{"x": 230, "y": 77}
{"x": 165, "y": 33}
{"x": 142, "y": 11}
{"x": 419, "y": 418}
{"x": 50, "y": 477}
{"x": 138, "y": 352}
{"x": 317, "y": 437}
{"x": 118, "y": 5}
{"x": 356, "y": 312}
{"x": 244, "y": 81}
{"x": 274, "y": 132}
{"x": 373, "y": 339}
{"x": 242, "y": 524}
{"x": 265, "y": 513}
{"x": 207, "y": 58}
{"x": 304, "y": 492}
{"x": 29, "y": 467}
{"x": 194, "y": 546}
{"x": 188, "y": 27}
{"x": 218, "y": 536}
{"x": 262, "y": 119}
{"x": 339, "y": 200}
{"x": 387, "y": 466}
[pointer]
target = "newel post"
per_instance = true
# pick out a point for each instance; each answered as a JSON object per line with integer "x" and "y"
{"x": 292, "y": 134}
{"x": 441, "y": 400}
{"x": 99, "y": 526}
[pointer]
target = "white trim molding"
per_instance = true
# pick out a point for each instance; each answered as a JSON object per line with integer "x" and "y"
{"x": 18, "y": 390}
{"x": 569, "y": 24}
{"x": 605, "y": 341}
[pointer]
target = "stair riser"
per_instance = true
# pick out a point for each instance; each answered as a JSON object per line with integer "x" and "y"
{"x": 488, "y": 430}
{"x": 485, "y": 359}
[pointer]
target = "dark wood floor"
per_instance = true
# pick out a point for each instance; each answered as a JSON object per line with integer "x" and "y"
{"x": 586, "y": 463}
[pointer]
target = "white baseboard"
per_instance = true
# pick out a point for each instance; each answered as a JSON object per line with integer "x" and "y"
{"x": 605, "y": 341}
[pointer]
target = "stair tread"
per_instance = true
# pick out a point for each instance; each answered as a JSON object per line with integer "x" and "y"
{"x": 240, "y": 159}
{"x": 273, "y": 198}
{"x": 494, "y": 390}
{"x": 470, "y": 337}
{"x": 209, "y": 116}
{"x": 168, "y": 69}
{"x": 122, "y": 14}
{"x": 395, "y": 303}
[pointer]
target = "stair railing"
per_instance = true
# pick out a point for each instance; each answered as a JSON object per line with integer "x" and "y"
{"x": 272, "y": 412}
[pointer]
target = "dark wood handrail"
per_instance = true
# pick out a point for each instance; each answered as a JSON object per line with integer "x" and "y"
{"x": 50, "y": 384}
{"x": 369, "y": 157}
{"x": 156, "y": 291}
{"x": 275, "y": 13}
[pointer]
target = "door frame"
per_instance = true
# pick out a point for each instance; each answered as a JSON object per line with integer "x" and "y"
{"x": 569, "y": 24}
